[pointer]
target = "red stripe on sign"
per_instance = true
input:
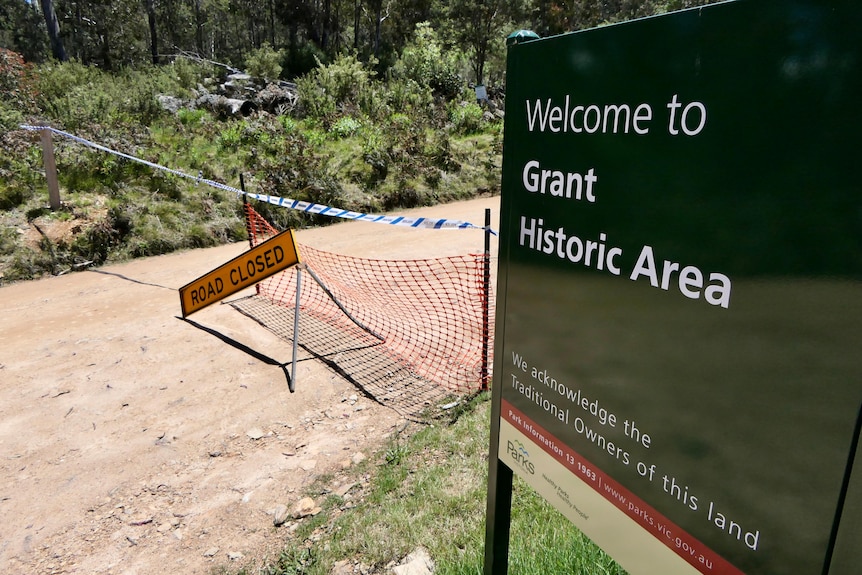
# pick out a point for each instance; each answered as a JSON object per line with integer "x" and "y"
{"x": 670, "y": 534}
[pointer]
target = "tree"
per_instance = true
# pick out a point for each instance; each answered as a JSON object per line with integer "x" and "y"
{"x": 22, "y": 29}
{"x": 53, "y": 26}
{"x": 478, "y": 24}
{"x": 151, "y": 20}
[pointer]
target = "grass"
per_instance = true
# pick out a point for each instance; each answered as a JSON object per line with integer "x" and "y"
{"x": 428, "y": 489}
{"x": 374, "y": 146}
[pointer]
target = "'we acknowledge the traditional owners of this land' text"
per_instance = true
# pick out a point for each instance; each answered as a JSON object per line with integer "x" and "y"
{"x": 620, "y": 438}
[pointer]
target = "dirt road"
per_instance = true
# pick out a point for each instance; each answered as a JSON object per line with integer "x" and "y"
{"x": 133, "y": 442}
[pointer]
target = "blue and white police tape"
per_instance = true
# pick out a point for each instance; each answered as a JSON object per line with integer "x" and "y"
{"x": 308, "y": 207}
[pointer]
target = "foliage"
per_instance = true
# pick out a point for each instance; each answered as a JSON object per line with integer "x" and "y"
{"x": 265, "y": 62}
{"x": 481, "y": 28}
{"x": 343, "y": 86}
{"x": 17, "y": 82}
{"x": 345, "y": 126}
{"x": 187, "y": 74}
{"x": 22, "y": 29}
{"x": 425, "y": 61}
{"x": 300, "y": 60}
{"x": 76, "y": 97}
{"x": 466, "y": 117}
{"x": 190, "y": 117}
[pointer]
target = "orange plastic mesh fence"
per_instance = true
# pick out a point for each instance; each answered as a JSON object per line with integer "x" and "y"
{"x": 428, "y": 313}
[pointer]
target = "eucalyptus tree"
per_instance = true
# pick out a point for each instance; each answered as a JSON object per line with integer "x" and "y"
{"x": 53, "y": 27}
{"x": 22, "y": 29}
{"x": 479, "y": 27}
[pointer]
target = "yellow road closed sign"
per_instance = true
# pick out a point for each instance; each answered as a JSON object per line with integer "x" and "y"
{"x": 272, "y": 256}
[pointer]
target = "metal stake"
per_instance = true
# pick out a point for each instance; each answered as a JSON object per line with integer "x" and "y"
{"x": 291, "y": 384}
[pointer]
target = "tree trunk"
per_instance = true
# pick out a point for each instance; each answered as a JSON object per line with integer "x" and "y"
{"x": 271, "y": 24}
{"x": 379, "y": 21}
{"x": 106, "y": 49}
{"x": 357, "y": 7}
{"x": 151, "y": 19}
{"x": 199, "y": 28}
{"x": 53, "y": 26}
{"x": 326, "y": 17}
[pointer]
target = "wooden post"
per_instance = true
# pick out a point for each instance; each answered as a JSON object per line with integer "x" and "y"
{"x": 50, "y": 168}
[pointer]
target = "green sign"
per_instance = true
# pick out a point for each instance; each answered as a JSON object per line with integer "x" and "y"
{"x": 680, "y": 315}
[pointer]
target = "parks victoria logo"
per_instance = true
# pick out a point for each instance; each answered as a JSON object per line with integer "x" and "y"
{"x": 520, "y": 454}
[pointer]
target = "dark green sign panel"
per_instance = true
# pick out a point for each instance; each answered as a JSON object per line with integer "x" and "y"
{"x": 680, "y": 316}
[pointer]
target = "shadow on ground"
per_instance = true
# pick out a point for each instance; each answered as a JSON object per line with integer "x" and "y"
{"x": 353, "y": 354}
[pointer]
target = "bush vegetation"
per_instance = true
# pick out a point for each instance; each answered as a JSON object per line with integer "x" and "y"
{"x": 356, "y": 141}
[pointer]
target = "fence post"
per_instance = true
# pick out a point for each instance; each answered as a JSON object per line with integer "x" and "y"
{"x": 50, "y": 168}
{"x": 249, "y": 224}
{"x": 291, "y": 385}
{"x": 486, "y": 287}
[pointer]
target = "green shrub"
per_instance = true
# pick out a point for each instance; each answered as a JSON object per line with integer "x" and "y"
{"x": 17, "y": 82}
{"x": 188, "y": 117}
{"x": 466, "y": 117}
{"x": 27, "y": 264}
{"x": 77, "y": 96}
{"x": 426, "y": 62}
{"x": 188, "y": 74}
{"x": 301, "y": 60}
{"x": 288, "y": 124}
{"x": 8, "y": 240}
{"x": 345, "y": 126}
{"x": 10, "y": 118}
{"x": 57, "y": 82}
{"x": 11, "y": 196}
{"x": 265, "y": 62}
{"x": 407, "y": 96}
{"x": 230, "y": 136}
{"x": 375, "y": 153}
{"x": 345, "y": 83}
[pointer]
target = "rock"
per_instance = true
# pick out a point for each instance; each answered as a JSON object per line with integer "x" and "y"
{"x": 234, "y": 555}
{"x": 417, "y": 563}
{"x": 239, "y": 77}
{"x": 279, "y": 515}
{"x": 358, "y": 458}
{"x": 342, "y": 491}
{"x": 305, "y": 507}
{"x": 308, "y": 465}
{"x": 170, "y": 103}
{"x": 211, "y": 552}
{"x": 342, "y": 568}
{"x": 255, "y": 433}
